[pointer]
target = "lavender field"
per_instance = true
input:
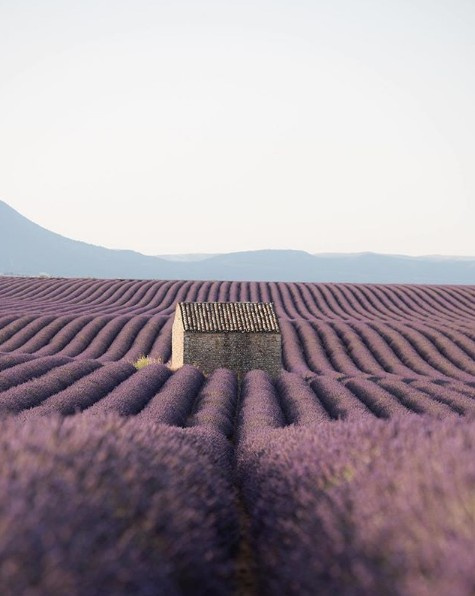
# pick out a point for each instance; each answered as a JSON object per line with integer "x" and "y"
{"x": 352, "y": 473}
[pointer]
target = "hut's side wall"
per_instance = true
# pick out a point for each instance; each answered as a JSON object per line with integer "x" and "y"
{"x": 177, "y": 341}
{"x": 240, "y": 352}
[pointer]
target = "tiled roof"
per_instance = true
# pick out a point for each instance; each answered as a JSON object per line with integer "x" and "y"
{"x": 220, "y": 317}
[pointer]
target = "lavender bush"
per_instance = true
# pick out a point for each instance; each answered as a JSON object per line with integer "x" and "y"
{"x": 215, "y": 406}
{"x": 363, "y": 508}
{"x": 108, "y": 505}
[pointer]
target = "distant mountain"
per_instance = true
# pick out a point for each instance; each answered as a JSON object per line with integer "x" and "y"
{"x": 28, "y": 249}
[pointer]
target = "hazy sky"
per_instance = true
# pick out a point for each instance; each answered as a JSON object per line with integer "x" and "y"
{"x": 176, "y": 126}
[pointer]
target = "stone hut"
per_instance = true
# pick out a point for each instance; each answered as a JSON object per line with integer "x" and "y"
{"x": 241, "y": 336}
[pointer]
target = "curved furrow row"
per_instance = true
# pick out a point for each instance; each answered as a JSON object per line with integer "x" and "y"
{"x": 441, "y": 298}
{"x": 416, "y": 400}
{"x": 79, "y": 290}
{"x": 276, "y": 298}
{"x": 456, "y": 399}
{"x": 64, "y": 336}
{"x": 193, "y": 290}
{"x": 212, "y": 294}
{"x": 338, "y": 312}
{"x": 45, "y": 334}
{"x": 379, "y": 401}
{"x": 21, "y": 288}
{"x": 409, "y": 308}
{"x": 417, "y": 303}
{"x": 338, "y": 400}
{"x": 362, "y": 308}
{"x": 83, "y": 392}
{"x": 385, "y": 304}
{"x": 106, "y": 336}
{"x": 18, "y": 372}
{"x": 121, "y": 294}
{"x": 380, "y": 349}
{"x": 285, "y": 300}
{"x": 299, "y": 403}
{"x": 258, "y": 291}
{"x": 427, "y": 307}
{"x": 320, "y": 300}
{"x": 31, "y": 393}
{"x": 145, "y": 301}
{"x": 466, "y": 389}
{"x": 162, "y": 346}
{"x": 461, "y": 296}
{"x": 264, "y": 292}
{"x": 446, "y": 343}
{"x": 215, "y": 405}
{"x": 295, "y": 296}
{"x": 293, "y": 357}
{"x": 64, "y": 303}
{"x": 99, "y": 293}
{"x": 311, "y": 306}
{"x": 348, "y": 308}
{"x": 68, "y": 291}
{"x": 241, "y": 292}
{"x": 25, "y": 333}
{"x": 361, "y": 354}
{"x": 234, "y": 291}
{"x": 336, "y": 353}
{"x": 460, "y": 338}
{"x": 10, "y": 326}
{"x": 203, "y": 290}
{"x": 177, "y": 293}
{"x": 259, "y": 406}
{"x": 82, "y": 338}
{"x": 315, "y": 355}
{"x": 123, "y": 339}
{"x": 134, "y": 393}
{"x": 112, "y": 297}
{"x": 174, "y": 402}
{"x": 117, "y": 301}
{"x": 428, "y": 352}
{"x": 142, "y": 343}
{"x": 404, "y": 351}
{"x": 8, "y": 359}
{"x": 375, "y": 309}
{"x": 223, "y": 291}
{"x": 374, "y": 507}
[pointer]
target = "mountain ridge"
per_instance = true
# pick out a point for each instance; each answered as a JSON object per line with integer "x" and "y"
{"x": 27, "y": 248}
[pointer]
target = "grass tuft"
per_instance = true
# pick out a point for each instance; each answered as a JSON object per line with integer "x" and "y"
{"x": 143, "y": 361}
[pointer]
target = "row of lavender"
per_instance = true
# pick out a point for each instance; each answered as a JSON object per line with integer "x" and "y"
{"x": 106, "y": 338}
{"x": 362, "y": 508}
{"x": 329, "y": 329}
{"x": 115, "y": 505}
{"x": 108, "y": 504}
{"x": 56, "y": 385}
{"x": 356, "y": 475}
{"x": 337, "y": 347}
{"x": 442, "y": 304}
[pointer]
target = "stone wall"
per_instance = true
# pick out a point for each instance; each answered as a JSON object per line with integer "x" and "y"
{"x": 177, "y": 341}
{"x": 240, "y": 352}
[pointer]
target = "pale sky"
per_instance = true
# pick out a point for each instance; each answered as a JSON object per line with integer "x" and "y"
{"x": 181, "y": 126}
